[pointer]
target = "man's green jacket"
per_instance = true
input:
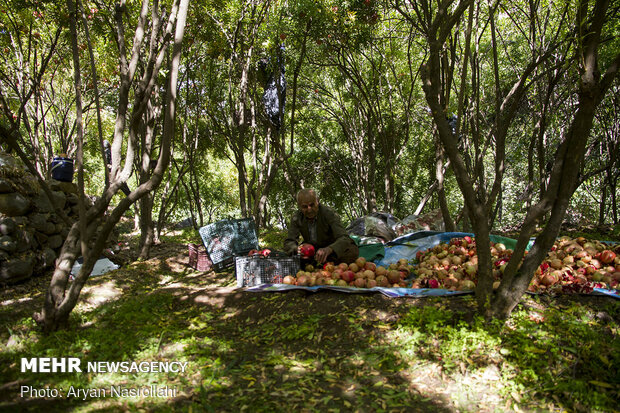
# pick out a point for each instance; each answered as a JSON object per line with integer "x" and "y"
{"x": 329, "y": 232}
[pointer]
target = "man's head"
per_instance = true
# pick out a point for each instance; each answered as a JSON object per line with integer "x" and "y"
{"x": 308, "y": 203}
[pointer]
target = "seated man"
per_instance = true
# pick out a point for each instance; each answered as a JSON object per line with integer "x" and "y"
{"x": 321, "y": 227}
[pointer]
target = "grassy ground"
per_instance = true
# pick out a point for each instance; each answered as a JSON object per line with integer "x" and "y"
{"x": 302, "y": 351}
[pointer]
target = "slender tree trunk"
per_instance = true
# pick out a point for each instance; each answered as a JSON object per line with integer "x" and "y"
{"x": 441, "y": 193}
{"x": 602, "y": 205}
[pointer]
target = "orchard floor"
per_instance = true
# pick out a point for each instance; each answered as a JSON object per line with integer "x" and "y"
{"x": 299, "y": 351}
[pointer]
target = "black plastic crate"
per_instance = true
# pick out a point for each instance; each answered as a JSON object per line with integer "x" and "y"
{"x": 255, "y": 270}
{"x": 225, "y": 239}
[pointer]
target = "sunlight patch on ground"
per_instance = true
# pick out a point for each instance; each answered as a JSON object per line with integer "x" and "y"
{"x": 166, "y": 280}
{"x": 96, "y": 295}
{"x": 467, "y": 391}
{"x": 20, "y": 300}
{"x": 215, "y": 296}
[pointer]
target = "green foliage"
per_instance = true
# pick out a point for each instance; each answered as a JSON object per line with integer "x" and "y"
{"x": 360, "y": 116}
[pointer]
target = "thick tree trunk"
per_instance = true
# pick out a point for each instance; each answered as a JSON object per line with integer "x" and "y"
{"x": 563, "y": 179}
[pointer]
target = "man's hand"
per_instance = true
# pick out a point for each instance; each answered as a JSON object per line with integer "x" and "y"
{"x": 322, "y": 254}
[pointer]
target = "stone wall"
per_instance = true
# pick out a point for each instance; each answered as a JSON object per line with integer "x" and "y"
{"x": 31, "y": 233}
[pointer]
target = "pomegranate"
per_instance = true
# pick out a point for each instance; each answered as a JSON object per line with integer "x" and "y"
{"x": 549, "y": 279}
{"x": 361, "y": 261}
{"x": 354, "y": 267}
{"x": 382, "y": 281}
{"x": 307, "y": 251}
{"x": 370, "y": 266}
{"x": 393, "y": 276}
{"x": 608, "y": 257}
{"x": 597, "y": 276}
{"x": 360, "y": 282}
{"x": 348, "y": 276}
{"x": 289, "y": 279}
{"x": 568, "y": 260}
{"x": 470, "y": 268}
{"x": 433, "y": 283}
{"x": 467, "y": 285}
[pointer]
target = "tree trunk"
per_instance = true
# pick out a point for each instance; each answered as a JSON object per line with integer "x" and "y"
{"x": 62, "y": 296}
{"x": 602, "y": 205}
{"x": 441, "y": 193}
{"x": 147, "y": 230}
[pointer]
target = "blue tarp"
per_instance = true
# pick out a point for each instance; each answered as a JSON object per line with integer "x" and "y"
{"x": 390, "y": 292}
{"x": 406, "y": 247}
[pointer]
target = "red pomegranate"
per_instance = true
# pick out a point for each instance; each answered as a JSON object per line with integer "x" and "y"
{"x": 607, "y": 256}
{"x": 307, "y": 251}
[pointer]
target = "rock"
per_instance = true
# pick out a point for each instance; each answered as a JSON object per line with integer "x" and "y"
{"x": 72, "y": 199}
{"x": 7, "y": 244}
{"x": 65, "y": 187}
{"x": 5, "y": 186}
{"x": 39, "y": 221}
{"x": 47, "y": 258}
{"x": 7, "y": 226}
{"x": 14, "y": 204}
{"x": 42, "y": 203}
{"x": 55, "y": 241}
{"x": 41, "y": 238}
{"x": 50, "y": 229}
{"x": 60, "y": 199}
{"x": 17, "y": 269}
{"x": 25, "y": 240}
{"x": 9, "y": 162}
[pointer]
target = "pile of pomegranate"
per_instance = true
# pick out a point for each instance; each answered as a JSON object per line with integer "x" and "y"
{"x": 578, "y": 265}
{"x": 360, "y": 274}
{"x": 572, "y": 265}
